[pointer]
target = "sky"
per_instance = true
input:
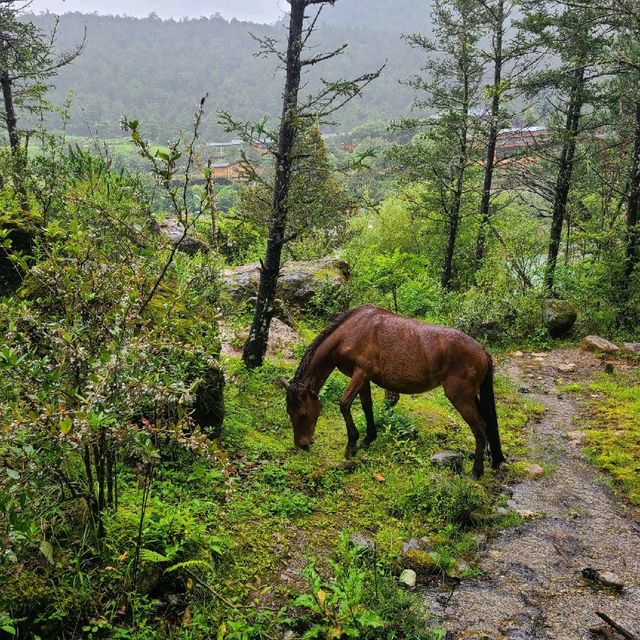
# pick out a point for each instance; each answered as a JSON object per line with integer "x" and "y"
{"x": 253, "y": 10}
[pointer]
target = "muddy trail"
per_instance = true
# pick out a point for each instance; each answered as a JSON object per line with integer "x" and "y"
{"x": 532, "y": 586}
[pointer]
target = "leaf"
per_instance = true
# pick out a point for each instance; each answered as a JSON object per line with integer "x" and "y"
{"x": 47, "y": 550}
{"x": 188, "y": 564}
{"x": 13, "y": 474}
{"x": 379, "y": 477}
{"x": 65, "y": 425}
{"x": 321, "y": 596}
{"x": 152, "y": 556}
{"x": 221, "y": 631}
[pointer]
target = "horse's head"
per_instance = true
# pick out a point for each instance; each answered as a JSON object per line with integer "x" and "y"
{"x": 303, "y": 408}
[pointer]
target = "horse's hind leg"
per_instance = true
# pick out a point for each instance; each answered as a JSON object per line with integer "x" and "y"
{"x": 367, "y": 406}
{"x": 464, "y": 400}
{"x": 358, "y": 380}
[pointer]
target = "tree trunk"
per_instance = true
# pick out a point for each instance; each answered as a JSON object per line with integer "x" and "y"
{"x": 565, "y": 174}
{"x": 633, "y": 207}
{"x": 452, "y": 236}
{"x": 494, "y": 129}
{"x": 256, "y": 345}
{"x": 10, "y": 113}
{"x": 14, "y": 138}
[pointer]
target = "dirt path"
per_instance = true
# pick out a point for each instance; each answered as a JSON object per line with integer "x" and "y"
{"x": 532, "y": 586}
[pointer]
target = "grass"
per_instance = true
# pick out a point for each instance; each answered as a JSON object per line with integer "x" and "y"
{"x": 252, "y": 521}
{"x": 613, "y": 428}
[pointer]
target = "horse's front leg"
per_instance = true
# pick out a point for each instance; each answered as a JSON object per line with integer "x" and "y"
{"x": 367, "y": 406}
{"x": 358, "y": 380}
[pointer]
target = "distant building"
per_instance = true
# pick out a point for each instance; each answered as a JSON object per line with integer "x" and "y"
{"x": 516, "y": 142}
{"x": 226, "y": 171}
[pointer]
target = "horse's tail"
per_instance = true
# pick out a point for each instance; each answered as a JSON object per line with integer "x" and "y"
{"x": 487, "y": 408}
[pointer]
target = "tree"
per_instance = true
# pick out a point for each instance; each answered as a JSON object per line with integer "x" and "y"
{"x": 577, "y": 36}
{"x": 296, "y": 114}
{"x": 26, "y": 64}
{"x": 508, "y": 58}
{"x": 444, "y": 150}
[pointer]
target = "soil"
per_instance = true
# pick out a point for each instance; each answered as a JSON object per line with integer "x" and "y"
{"x": 532, "y": 585}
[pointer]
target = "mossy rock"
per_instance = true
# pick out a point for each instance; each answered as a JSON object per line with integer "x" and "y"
{"x": 23, "y": 228}
{"x": 559, "y": 316}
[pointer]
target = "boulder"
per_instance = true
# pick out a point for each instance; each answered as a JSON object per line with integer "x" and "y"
{"x": 596, "y": 343}
{"x": 631, "y": 348}
{"x": 173, "y": 231}
{"x": 450, "y": 459}
{"x": 299, "y": 283}
{"x": 208, "y": 401}
{"x": 559, "y": 316}
{"x": 283, "y": 340}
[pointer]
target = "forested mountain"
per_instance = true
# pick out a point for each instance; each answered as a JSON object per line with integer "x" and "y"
{"x": 157, "y": 70}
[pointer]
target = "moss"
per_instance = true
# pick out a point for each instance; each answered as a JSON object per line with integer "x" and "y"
{"x": 613, "y": 428}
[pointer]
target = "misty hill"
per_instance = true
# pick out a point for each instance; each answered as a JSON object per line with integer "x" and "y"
{"x": 156, "y": 70}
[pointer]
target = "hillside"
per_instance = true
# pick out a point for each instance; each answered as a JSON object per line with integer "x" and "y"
{"x": 157, "y": 70}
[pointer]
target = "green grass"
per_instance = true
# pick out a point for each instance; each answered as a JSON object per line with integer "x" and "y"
{"x": 613, "y": 428}
{"x": 249, "y": 520}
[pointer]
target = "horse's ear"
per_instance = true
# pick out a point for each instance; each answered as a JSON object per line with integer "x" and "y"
{"x": 285, "y": 383}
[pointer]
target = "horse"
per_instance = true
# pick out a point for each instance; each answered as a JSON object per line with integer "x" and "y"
{"x": 403, "y": 356}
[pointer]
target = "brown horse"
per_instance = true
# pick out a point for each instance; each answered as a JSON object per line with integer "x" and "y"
{"x": 401, "y": 355}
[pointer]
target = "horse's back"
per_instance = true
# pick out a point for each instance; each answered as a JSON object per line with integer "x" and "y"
{"x": 407, "y": 355}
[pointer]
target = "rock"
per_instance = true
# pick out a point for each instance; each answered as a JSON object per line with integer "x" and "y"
{"x": 596, "y": 343}
{"x": 283, "y": 340}
{"x": 480, "y": 538}
{"x": 631, "y": 348}
{"x": 533, "y": 471}
{"x": 289, "y": 634}
{"x": 566, "y": 368}
{"x": 502, "y": 511}
{"x": 605, "y": 578}
{"x": 208, "y": 401}
{"x": 603, "y": 631}
{"x": 450, "y": 459}
{"x": 299, "y": 282}
{"x": 408, "y": 577}
{"x": 358, "y": 540}
{"x": 411, "y": 545}
{"x": 539, "y": 355}
{"x": 611, "y": 580}
{"x": 576, "y": 437}
{"x": 518, "y": 354}
{"x": 173, "y": 230}
{"x": 558, "y": 317}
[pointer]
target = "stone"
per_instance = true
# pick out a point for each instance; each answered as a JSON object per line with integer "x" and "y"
{"x": 611, "y": 580}
{"x": 409, "y": 577}
{"x": 450, "y": 459}
{"x": 502, "y": 511}
{"x": 518, "y": 354}
{"x": 480, "y": 538}
{"x": 208, "y": 401}
{"x": 558, "y": 317}
{"x": 299, "y": 283}
{"x": 173, "y": 231}
{"x": 631, "y": 348}
{"x": 596, "y": 343}
{"x": 283, "y": 340}
{"x": 289, "y": 635}
{"x": 605, "y": 578}
{"x": 576, "y": 437}
{"x": 533, "y": 471}
{"x": 566, "y": 368}
{"x": 411, "y": 545}
{"x": 539, "y": 355}
{"x": 358, "y": 540}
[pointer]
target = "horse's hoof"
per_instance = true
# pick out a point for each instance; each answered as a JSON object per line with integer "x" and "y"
{"x": 366, "y": 443}
{"x": 476, "y": 475}
{"x": 351, "y": 452}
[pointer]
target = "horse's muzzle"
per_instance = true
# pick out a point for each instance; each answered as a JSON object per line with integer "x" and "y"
{"x": 303, "y": 447}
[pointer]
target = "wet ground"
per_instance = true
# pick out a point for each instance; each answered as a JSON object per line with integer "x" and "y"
{"x": 532, "y": 585}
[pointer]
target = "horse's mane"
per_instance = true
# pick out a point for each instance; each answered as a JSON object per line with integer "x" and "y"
{"x": 313, "y": 347}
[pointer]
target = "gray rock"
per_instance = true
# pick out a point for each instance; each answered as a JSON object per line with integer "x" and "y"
{"x": 631, "y": 348}
{"x": 566, "y": 368}
{"x": 558, "y": 317}
{"x": 450, "y": 459}
{"x": 605, "y": 578}
{"x": 299, "y": 283}
{"x": 596, "y": 343}
{"x": 411, "y": 545}
{"x": 408, "y": 577}
{"x": 173, "y": 230}
{"x": 358, "y": 540}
